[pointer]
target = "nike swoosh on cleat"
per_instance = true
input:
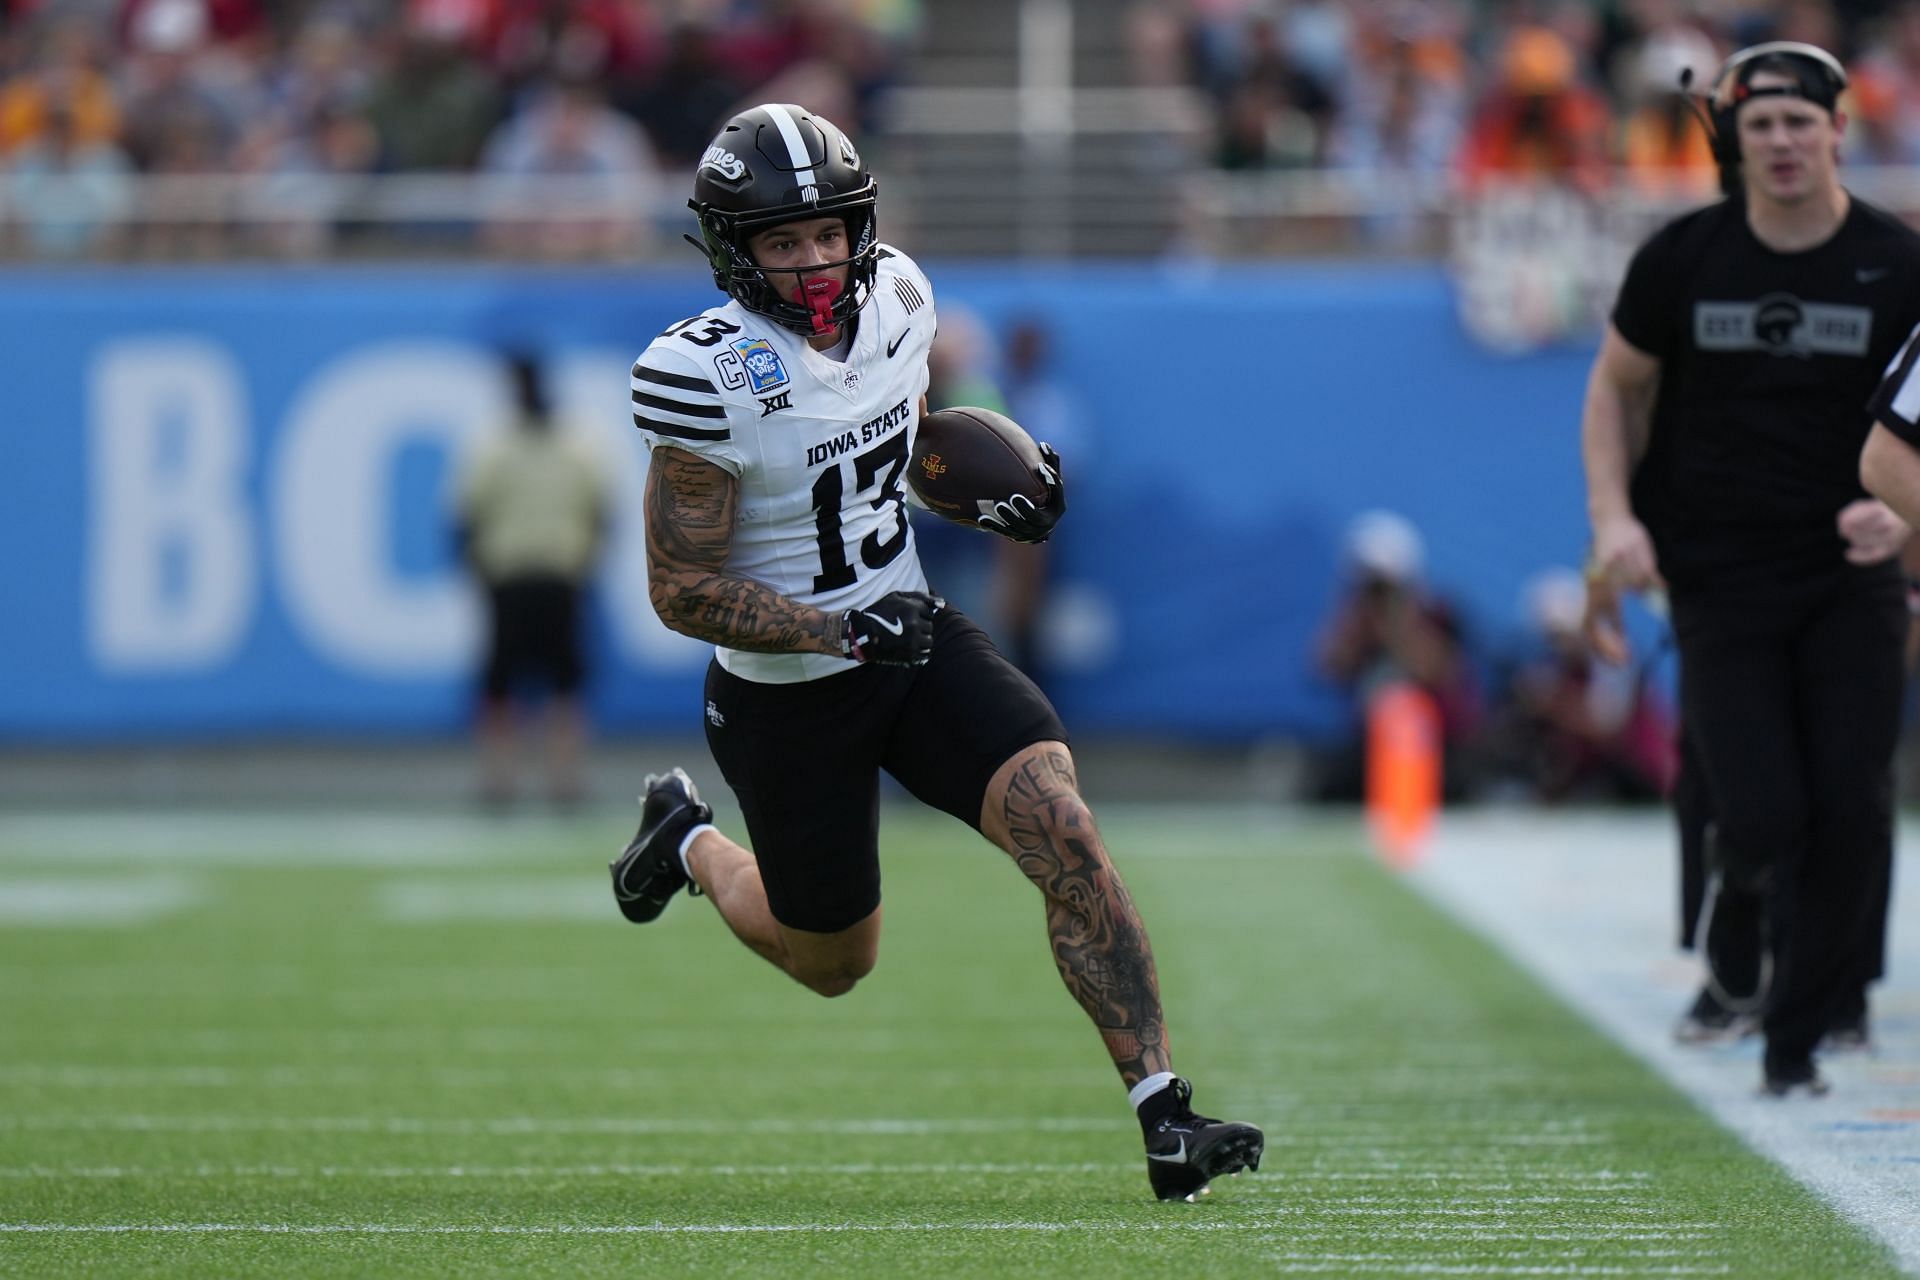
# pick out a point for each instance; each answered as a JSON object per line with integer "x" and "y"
{"x": 620, "y": 889}
{"x": 1178, "y": 1157}
{"x": 895, "y": 344}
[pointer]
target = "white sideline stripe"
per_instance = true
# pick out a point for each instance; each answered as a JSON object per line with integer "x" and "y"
{"x": 528, "y": 1124}
{"x": 97, "y": 900}
{"x": 1586, "y": 904}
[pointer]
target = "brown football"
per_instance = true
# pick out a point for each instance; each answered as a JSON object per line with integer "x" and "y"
{"x": 965, "y": 459}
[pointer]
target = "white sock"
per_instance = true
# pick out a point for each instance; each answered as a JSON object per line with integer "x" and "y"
{"x": 1148, "y": 1087}
{"x": 686, "y": 843}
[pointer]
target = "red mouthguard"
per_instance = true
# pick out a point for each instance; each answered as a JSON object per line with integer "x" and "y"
{"x": 820, "y": 296}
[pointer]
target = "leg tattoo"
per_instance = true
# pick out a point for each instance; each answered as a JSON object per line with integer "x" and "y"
{"x": 1098, "y": 941}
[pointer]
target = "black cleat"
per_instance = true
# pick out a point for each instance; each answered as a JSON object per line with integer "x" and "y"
{"x": 1707, "y": 1021}
{"x": 1186, "y": 1151}
{"x": 1734, "y": 943}
{"x": 648, "y": 873}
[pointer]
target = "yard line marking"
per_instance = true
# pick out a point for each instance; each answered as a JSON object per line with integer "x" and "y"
{"x": 511, "y": 898}
{"x": 617, "y": 1125}
{"x": 1387, "y": 1264}
{"x": 64, "y": 901}
{"x": 612, "y": 1229}
{"x": 301, "y": 836}
{"x": 1343, "y": 1268}
{"x": 774, "y": 1229}
{"x": 190, "y": 1076}
{"x": 211, "y": 837}
{"x": 1606, "y": 1194}
{"x": 1295, "y": 1263}
{"x": 557, "y": 1171}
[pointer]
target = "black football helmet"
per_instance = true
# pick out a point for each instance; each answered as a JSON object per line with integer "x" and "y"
{"x": 780, "y": 163}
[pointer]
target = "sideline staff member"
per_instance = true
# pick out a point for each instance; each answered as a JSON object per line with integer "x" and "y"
{"x": 1722, "y": 431}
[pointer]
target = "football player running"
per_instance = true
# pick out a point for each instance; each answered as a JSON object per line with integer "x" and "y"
{"x": 780, "y": 424}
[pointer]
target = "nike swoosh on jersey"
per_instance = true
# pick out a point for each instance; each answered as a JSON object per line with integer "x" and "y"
{"x": 1866, "y": 275}
{"x": 1178, "y": 1157}
{"x": 895, "y": 344}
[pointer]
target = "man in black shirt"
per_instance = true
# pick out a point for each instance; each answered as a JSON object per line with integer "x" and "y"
{"x": 1722, "y": 432}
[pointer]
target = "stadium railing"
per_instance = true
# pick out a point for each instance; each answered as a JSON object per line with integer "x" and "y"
{"x": 990, "y": 188}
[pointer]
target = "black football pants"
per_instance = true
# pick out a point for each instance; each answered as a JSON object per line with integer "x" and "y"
{"x": 1793, "y": 703}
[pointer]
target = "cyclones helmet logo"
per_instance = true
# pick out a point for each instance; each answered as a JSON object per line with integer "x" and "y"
{"x": 932, "y": 465}
{"x": 724, "y": 163}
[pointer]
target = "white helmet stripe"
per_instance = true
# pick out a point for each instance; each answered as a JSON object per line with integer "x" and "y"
{"x": 796, "y": 148}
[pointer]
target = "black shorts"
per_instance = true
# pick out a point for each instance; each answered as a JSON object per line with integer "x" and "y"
{"x": 804, "y": 761}
{"x": 534, "y": 638}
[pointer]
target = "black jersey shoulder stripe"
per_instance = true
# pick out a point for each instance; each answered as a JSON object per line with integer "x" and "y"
{"x": 668, "y": 405}
{"x": 909, "y": 296}
{"x": 679, "y": 430}
{"x": 680, "y": 380}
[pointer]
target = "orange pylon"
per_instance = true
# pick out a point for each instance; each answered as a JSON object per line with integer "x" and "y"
{"x": 1403, "y": 771}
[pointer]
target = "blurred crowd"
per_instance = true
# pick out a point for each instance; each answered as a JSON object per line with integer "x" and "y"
{"x": 313, "y": 94}
{"x": 1582, "y": 91}
{"x": 1528, "y": 711}
{"x": 93, "y": 92}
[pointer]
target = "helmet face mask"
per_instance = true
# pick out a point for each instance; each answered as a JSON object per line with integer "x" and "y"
{"x": 777, "y": 164}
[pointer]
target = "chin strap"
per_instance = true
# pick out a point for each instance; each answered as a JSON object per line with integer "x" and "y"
{"x": 820, "y": 295}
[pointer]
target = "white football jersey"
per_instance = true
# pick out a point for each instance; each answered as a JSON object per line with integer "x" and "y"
{"x": 819, "y": 446}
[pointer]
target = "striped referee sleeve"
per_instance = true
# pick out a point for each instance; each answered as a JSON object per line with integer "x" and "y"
{"x": 677, "y": 405}
{"x": 1897, "y": 403}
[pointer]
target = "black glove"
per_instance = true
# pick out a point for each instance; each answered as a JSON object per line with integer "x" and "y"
{"x": 895, "y": 630}
{"x": 1019, "y": 518}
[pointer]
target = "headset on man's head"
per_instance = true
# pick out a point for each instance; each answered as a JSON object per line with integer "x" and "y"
{"x": 1816, "y": 77}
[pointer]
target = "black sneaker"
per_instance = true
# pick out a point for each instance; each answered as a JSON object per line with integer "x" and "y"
{"x": 648, "y": 873}
{"x": 1707, "y": 1021}
{"x": 1785, "y": 1077}
{"x": 1733, "y": 931}
{"x": 1185, "y": 1151}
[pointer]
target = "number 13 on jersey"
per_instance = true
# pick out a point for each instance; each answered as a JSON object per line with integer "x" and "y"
{"x": 885, "y": 462}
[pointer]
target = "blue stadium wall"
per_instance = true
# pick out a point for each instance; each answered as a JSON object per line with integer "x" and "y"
{"x": 226, "y": 493}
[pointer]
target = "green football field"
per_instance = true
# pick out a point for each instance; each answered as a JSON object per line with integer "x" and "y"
{"x": 329, "y": 1044}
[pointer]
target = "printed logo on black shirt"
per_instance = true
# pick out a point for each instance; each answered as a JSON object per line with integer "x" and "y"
{"x": 1782, "y": 325}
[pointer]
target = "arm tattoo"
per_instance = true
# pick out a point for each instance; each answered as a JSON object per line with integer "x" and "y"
{"x": 1099, "y": 944}
{"x": 690, "y": 507}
